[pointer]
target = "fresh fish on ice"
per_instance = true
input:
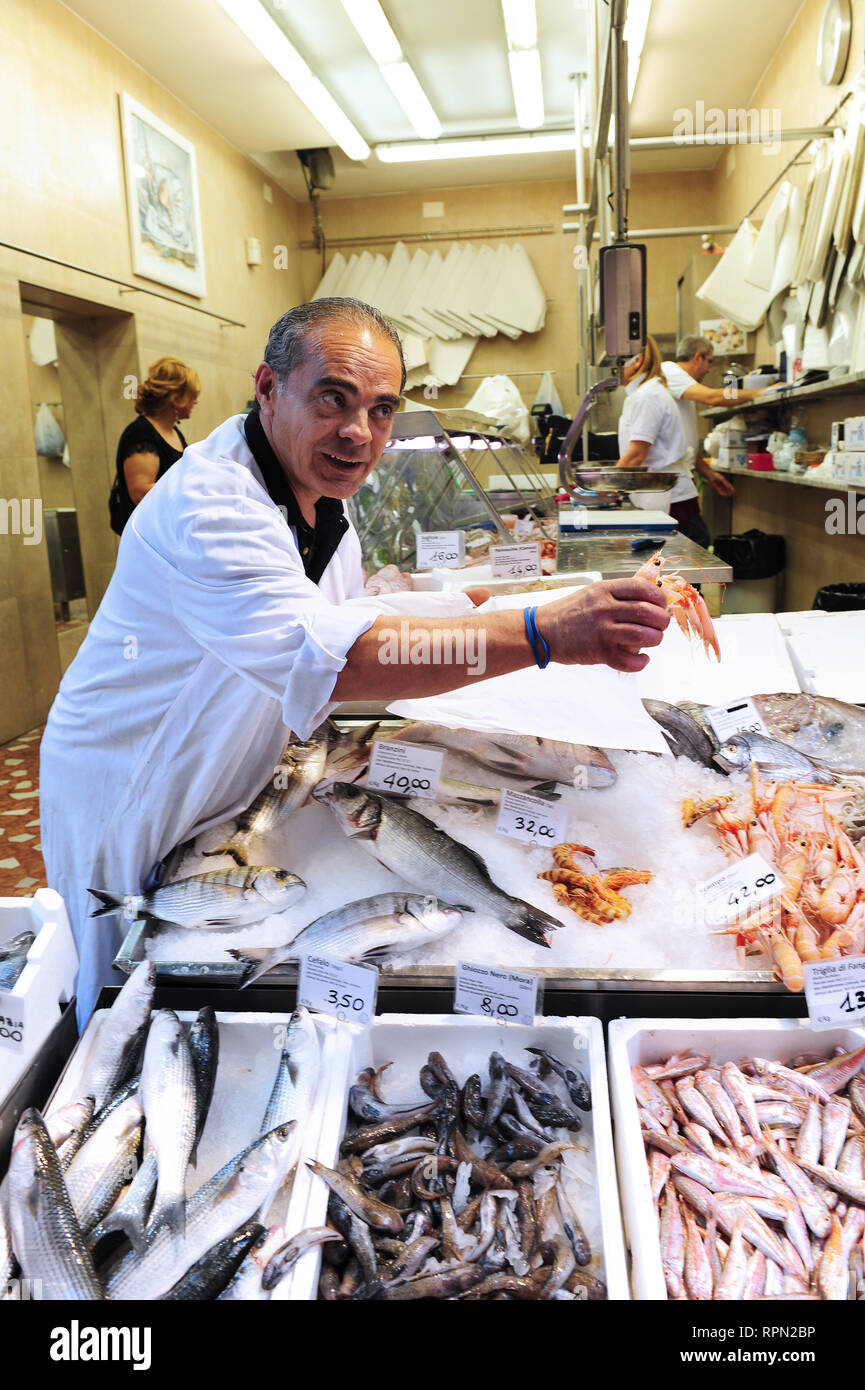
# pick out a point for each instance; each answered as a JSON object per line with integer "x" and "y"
{"x": 687, "y": 738}
{"x": 105, "y": 1164}
{"x": 295, "y": 1086}
{"x": 221, "y": 898}
{"x": 13, "y": 958}
{"x": 168, "y": 1098}
{"x": 517, "y": 755}
{"x": 117, "y": 1046}
{"x": 775, "y": 760}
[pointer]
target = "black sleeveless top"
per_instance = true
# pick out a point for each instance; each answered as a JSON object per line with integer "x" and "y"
{"x": 141, "y": 437}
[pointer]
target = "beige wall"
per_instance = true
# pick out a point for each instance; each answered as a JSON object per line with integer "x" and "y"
{"x": 62, "y": 194}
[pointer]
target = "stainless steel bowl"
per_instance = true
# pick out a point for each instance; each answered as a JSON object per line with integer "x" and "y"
{"x": 591, "y": 478}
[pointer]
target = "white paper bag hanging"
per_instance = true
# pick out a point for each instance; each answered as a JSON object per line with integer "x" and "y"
{"x": 50, "y": 439}
{"x": 548, "y": 395}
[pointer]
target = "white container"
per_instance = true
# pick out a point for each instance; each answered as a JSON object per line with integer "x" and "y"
{"x": 642, "y": 1041}
{"x": 466, "y": 1043}
{"x": 855, "y": 461}
{"x": 854, "y": 432}
{"x": 250, "y": 1046}
{"x": 30, "y": 1010}
{"x": 729, "y": 457}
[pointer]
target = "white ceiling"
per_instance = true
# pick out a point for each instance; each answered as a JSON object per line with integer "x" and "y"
{"x": 459, "y": 52}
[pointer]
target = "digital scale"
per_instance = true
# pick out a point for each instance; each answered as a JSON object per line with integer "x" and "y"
{"x": 576, "y": 520}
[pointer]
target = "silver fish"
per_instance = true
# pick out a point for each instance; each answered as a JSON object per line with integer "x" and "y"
{"x": 829, "y": 731}
{"x": 46, "y": 1235}
{"x": 776, "y": 760}
{"x": 13, "y": 958}
{"x": 210, "y": 1275}
{"x": 120, "y": 1034}
{"x": 168, "y": 1098}
{"x": 368, "y": 927}
{"x": 518, "y": 755}
{"x": 244, "y": 1187}
{"x": 221, "y": 898}
{"x": 105, "y": 1164}
{"x": 409, "y": 845}
{"x": 297, "y": 1075}
{"x": 130, "y": 1214}
{"x": 300, "y": 768}
{"x": 687, "y": 738}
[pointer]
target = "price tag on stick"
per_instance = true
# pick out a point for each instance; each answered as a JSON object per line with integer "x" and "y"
{"x": 740, "y": 717}
{"x": 440, "y": 550}
{"x": 405, "y": 769}
{"x": 504, "y": 995}
{"x": 835, "y": 990}
{"x": 516, "y": 561}
{"x": 531, "y": 819}
{"x": 346, "y": 991}
{"x": 737, "y": 891}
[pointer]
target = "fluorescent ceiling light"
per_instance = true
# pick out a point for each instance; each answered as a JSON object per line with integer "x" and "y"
{"x": 521, "y": 23}
{"x": 265, "y": 34}
{"x": 370, "y": 21}
{"x": 635, "y": 36}
{"x": 474, "y": 149}
{"x": 525, "y": 66}
{"x": 412, "y": 98}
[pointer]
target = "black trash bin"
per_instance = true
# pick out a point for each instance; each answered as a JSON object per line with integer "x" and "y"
{"x": 840, "y": 598}
{"x": 756, "y": 559}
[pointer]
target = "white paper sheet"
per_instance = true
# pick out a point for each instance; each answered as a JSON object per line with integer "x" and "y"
{"x": 727, "y": 290}
{"x": 754, "y": 661}
{"x": 576, "y": 704}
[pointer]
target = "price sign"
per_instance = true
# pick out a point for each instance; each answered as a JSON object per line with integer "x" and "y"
{"x": 405, "y": 769}
{"x": 738, "y": 890}
{"x": 503, "y": 995}
{"x": 440, "y": 550}
{"x": 835, "y": 990}
{"x": 348, "y": 992}
{"x": 740, "y": 717}
{"x": 531, "y": 819}
{"x": 516, "y": 561}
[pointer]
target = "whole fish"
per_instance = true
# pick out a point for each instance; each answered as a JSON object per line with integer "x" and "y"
{"x": 221, "y": 898}
{"x": 204, "y": 1050}
{"x": 452, "y": 792}
{"x": 829, "y": 731}
{"x": 359, "y": 930}
{"x": 105, "y": 1164}
{"x": 168, "y": 1098}
{"x": 118, "y": 1040}
{"x": 687, "y": 739}
{"x": 775, "y": 760}
{"x": 98, "y": 1117}
{"x": 288, "y": 1255}
{"x": 409, "y": 845}
{"x": 576, "y": 1084}
{"x": 66, "y": 1127}
{"x": 300, "y": 768}
{"x": 246, "y": 1283}
{"x": 130, "y": 1214}
{"x": 243, "y": 1187}
{"x": 13, "y": 958}
{"x": 518, "y": 755}
{"x": 207, "y": 1278}
{"x": 368, "y": 1208}
{"x": 295, "y": 1086}
{"x": 46, "y": 1234}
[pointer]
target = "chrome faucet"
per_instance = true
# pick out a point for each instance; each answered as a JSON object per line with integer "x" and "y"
{"x": 567, "y": 450}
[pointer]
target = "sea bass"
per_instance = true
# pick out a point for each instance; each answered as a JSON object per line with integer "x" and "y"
{"x": 13, "y": 958}
{"x": 222, "y": 898}
{"x": 518, "y": 755}
{"x": 368, "y": 927}
{"x": 409, "y": 845}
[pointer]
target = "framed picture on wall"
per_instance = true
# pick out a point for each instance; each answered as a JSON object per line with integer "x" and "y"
{"x": 162, "y": 201}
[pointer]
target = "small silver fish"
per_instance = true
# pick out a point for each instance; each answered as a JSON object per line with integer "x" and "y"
{"x": 13, "y": 958}
{"x": 222, "y": 898}
{"x": 776, "y": 760}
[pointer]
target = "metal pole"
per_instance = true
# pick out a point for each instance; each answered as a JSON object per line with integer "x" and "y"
{"x": 647, "y": 233}
{"x": 619, "y": 61}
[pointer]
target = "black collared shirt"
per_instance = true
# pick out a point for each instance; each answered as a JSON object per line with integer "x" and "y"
{"x": 317, "y": 544}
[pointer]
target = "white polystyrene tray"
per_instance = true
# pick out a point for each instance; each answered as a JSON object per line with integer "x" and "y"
{"x": 47, "y": 980}
{"x": 638, "y": 1041}
{"x": 249, "y": 1050}
{"x": 466, "y": 1043}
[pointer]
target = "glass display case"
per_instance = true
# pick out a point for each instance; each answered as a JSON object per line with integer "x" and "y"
{"x": 447, "y": 471}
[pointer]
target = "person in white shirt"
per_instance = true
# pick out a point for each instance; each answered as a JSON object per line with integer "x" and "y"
{"x": 685, "y": 377}
{"x": 650, "y": 433}
{"x": 236, "y": 613}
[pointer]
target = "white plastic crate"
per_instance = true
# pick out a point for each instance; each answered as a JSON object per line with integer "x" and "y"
{"x": 466, "y": 1043}
{"x": 644, "y": 1041}
{"x": 30, "y": 1010}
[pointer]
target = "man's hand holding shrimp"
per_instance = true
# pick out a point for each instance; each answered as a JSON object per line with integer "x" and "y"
{"x": 606, "y": 623}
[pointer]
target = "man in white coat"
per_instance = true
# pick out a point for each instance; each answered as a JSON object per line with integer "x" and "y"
{"x": 236, "y": 613}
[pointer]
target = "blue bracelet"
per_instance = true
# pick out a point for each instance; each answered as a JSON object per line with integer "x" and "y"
{"x": 538, "y": 645}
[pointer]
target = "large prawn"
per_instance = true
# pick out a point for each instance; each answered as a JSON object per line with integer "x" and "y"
{"x": 686, "y": 604}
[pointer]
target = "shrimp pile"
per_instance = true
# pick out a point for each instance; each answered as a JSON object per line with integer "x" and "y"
{"x": 756, "y": 1173}
{"x": 596, "y": 897}
{"x": 820, "y": 915}
{"x": 687, "y": 606}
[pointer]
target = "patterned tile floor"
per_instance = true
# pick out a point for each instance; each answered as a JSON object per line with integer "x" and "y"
{"x": 21, "y": 868}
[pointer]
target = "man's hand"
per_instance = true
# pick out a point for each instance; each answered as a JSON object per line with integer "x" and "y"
{"x": 606, "y": 623}
{"x": 722, "y": 485}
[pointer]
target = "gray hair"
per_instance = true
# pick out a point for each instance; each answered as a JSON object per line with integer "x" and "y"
{"x": 286, "y": 344}
{"x": 690, "y": 347}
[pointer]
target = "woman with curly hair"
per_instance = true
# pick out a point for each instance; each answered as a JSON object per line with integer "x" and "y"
{"x": 152, "y": 443}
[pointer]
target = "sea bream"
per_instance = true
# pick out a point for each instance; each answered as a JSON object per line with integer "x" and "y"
{"x": 221, "y": 898}
{"x": 409, "y": 845}
{"x": 368, "y": 927}
{"x": 517, "y": 755}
